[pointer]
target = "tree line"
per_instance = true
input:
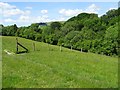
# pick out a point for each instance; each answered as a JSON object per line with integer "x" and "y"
{"x": 84, "y": 32}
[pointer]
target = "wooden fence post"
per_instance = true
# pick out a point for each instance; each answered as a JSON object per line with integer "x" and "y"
{"x": 16, "y": 45}
{"x": 33, "y": 46}
{"x": 81, "y": 49}
{"x": 71, "y": 47}
{"x": 60, "y": 48}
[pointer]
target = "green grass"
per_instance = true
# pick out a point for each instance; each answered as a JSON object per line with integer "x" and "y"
{"x": 54, "y": 69}
{"x": 0, "y": 63}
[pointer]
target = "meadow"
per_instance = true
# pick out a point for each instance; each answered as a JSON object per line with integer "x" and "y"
{"x": 48, "y": 67}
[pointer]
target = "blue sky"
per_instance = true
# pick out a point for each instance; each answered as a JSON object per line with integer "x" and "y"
{"x": 25, "y": 13}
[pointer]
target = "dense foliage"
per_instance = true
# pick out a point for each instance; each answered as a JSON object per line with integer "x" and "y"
{"x": 85, "y": 32}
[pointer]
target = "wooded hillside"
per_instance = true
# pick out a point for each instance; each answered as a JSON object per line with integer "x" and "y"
{"x": 84, "y": 32}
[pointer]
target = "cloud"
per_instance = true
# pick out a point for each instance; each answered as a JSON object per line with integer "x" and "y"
{"x": 112, "y": 8}
{"x": 73, "y": 12}
{"x": 27, "y": 20}
{"x": 70, "y": 12}
{"x": 31, "y": 19}
{"x": 10, "y": 10}
{"x": 92, "y": 9}
{"x": 23, "y": 18}
{"x": 11, "y": 14}
{"x": 9, "y": 20}
{"x": 6, "y": 5}
{"x": 44, "y": 11}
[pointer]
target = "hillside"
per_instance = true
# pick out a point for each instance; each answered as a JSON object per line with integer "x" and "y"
{"x": 85, "y": 32}
{"x": 52, "y": 68}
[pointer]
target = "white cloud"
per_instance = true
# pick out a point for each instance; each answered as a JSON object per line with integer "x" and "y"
{"x": 112, "y": 8}
{"x": 23, "y": 18}
{"x": 32, "y": 19}
{"x": 92, "y": 9}
{"x": 10, "y": 10}
{"x": 44, "y": 11}
{"x": 43, "y": 18}
{"x": 106, "y": 11}
{"x": 13, "y": 12}
{"x": 6, "y": 5}
{"x": 70, "y": 12}
{"x": 9, "y": 20}
{"x": 73, "y": 12}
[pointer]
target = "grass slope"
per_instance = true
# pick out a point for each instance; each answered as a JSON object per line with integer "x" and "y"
{"x": 67, "y": 69}
{"x": 0, "y": 63}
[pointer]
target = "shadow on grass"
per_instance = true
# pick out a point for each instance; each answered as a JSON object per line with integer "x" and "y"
{"x": 21, "y": 52}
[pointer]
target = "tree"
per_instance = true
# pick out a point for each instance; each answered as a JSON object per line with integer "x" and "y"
{"x": 85, "y": 32}
{"x": 55, "y": 25}
{"x": 1, "y": 27}
{"x": 46, "y": 31}
{"x": 69, "y": 37}
{"x": 112, "y": 32}
{"x": 35, "y": 28}
{"x": 38, "y": 37}
{"x": 10, "y": 30}
{"x": 61, "y": 43}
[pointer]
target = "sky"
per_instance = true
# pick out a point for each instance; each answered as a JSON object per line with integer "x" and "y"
{"x": 25, "y": 13}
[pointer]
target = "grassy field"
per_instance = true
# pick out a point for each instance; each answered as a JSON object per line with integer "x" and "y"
{"x": 54, "y": 69}
{"x": 0, "y": 63}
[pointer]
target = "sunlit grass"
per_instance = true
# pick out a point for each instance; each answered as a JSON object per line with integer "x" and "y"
{"x": 52, "y": 68}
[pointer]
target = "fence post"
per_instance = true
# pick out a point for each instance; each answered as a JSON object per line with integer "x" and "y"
{"x": 16, "y": 45}
{"x": 81, "y": 49}
{"x": 71, "y": 47}
{"x": 33, "y": 46}
{"x": 60, "y": 48}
